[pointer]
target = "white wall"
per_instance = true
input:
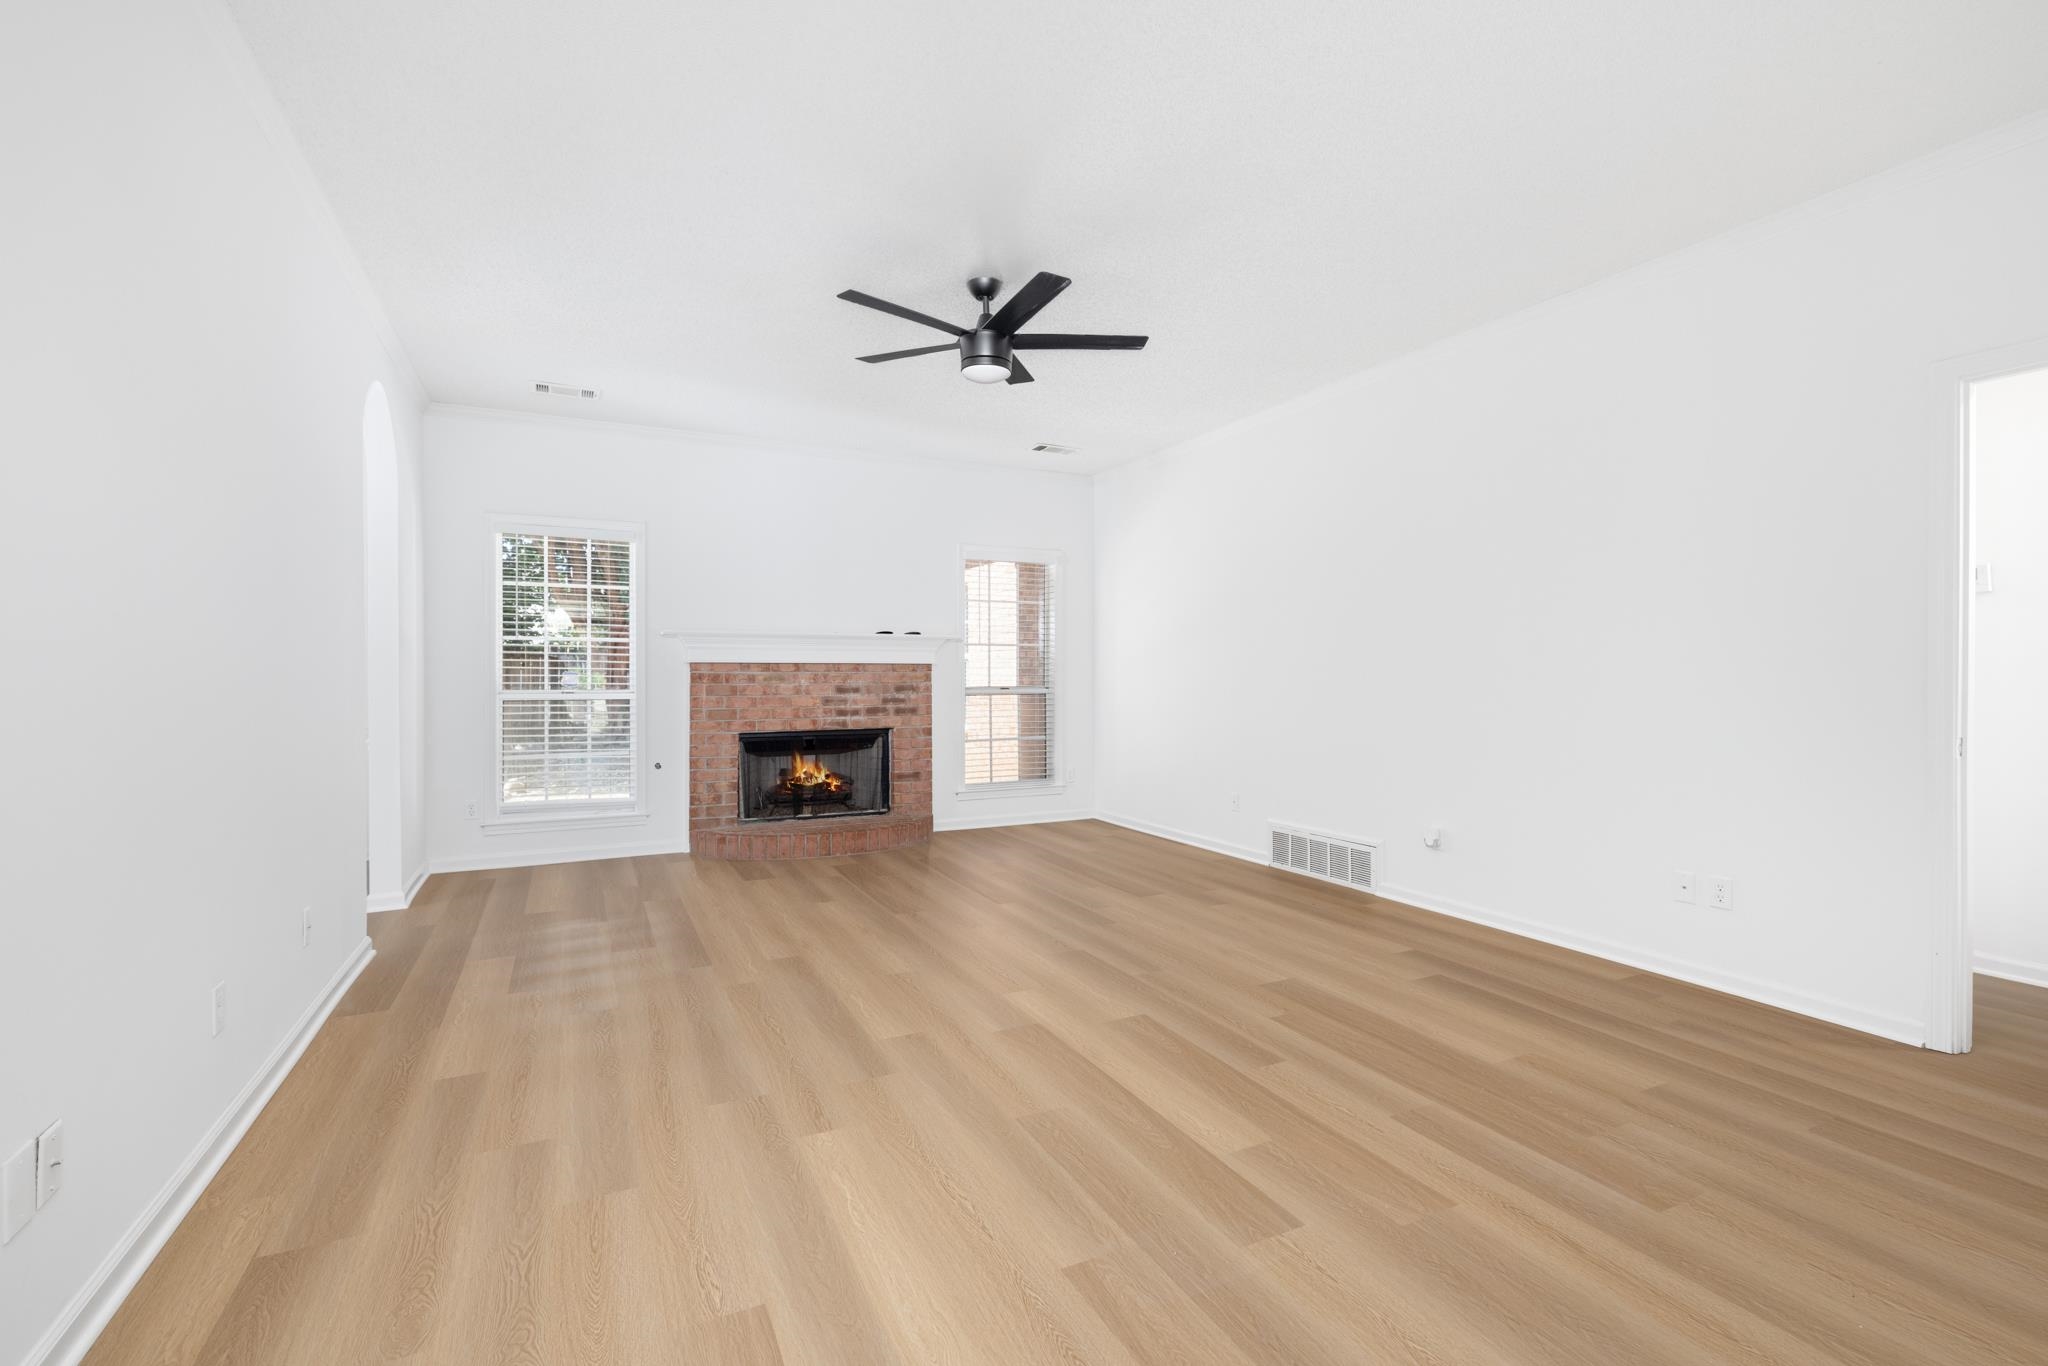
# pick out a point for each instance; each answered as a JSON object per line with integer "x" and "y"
{"x": 712, "y": 512}
{"x": 2008, "y": 770}
{"x": 1635, "y": 582}
{"x": 188, "y": 350}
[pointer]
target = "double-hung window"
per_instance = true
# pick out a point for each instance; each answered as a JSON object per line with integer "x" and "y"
{"x": 1010, "y": 674}
{"x": 568, "y": 722}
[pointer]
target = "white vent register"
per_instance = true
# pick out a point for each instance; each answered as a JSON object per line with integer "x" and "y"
{"x": 1333, "y": 858}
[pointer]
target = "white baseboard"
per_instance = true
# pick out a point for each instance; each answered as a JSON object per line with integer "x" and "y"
{"x": 1895, "y": 1027}
{"x": 397, "y": 901}
{"x": 2012, "y": 969}
{"x": 533, "y": 858}
{"x": 72, "y": 1335}
{"x": 1246, "y": 852}
{"x": 1898, "y": 1028}
{"x": 992, "y": 821}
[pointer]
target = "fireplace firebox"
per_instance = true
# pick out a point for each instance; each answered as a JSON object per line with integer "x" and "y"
{"x": 811, "y": 774}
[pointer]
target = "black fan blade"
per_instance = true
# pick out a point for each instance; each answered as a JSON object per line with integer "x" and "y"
{"x": 1077, "y": 341}
{"x": 854, "y": 296}
{"x": 915, "y": 351}
{"x": 1018, "y": 374}
{"x": 1041, "y": 290}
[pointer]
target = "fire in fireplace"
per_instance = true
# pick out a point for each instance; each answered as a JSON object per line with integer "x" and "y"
{"x": 804, "y": 775}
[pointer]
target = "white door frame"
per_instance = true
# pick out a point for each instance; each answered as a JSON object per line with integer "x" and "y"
{"x": 383, "y": 655}
{"x": 1951, "y": 605}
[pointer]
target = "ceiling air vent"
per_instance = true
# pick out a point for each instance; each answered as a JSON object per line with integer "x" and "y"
{"x": 1053, "y": 448}
{"x": 1333, "y": 858}
{"x": 563, "y": 390}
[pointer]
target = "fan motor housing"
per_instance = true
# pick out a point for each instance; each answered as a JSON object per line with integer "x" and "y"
{"x": 984, "y": 348}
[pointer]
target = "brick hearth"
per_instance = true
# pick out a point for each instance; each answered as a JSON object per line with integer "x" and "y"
{"x": 729, "y": 699}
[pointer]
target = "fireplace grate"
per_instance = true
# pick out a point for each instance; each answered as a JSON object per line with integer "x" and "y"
{"x": 1333, "y": 858}
{"x": 810, "y": 775}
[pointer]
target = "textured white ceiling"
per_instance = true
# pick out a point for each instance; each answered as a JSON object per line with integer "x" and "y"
{"x": 660, "y": 200}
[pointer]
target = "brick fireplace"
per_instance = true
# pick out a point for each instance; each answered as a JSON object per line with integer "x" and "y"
{"x": 814, "y": 701}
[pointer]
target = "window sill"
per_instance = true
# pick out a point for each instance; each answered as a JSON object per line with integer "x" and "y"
{"x": 985, "y": 791}
{"x": 557, "y": 821}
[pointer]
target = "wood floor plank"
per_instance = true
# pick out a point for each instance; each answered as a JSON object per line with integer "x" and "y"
{"x": 1069, "y": 1094}
{"x": 1231, "y": 1203}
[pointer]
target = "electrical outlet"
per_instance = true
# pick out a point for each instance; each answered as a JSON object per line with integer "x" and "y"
{"x": 220, "y": 1008}
{"x": 305, "y": 926}
{"x": 1433, "y": 837}
{"x": 1236, "y": 804}
{"x": 17, "y": 1191}
{"x": 470, "y": 810}
{"x": 49, "y": 1163}
{"x": 1721, "y": 893}
{"x": 1685, "y": 888}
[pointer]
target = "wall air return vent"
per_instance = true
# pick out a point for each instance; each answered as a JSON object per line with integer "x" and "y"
{"x": 562, "y": 390}
{"x": 1333, "y": 858}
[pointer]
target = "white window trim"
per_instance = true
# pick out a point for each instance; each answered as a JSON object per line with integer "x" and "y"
{"x": 1030, "y": 787}
{"x": 597, "y": 818}
{"x": 504, "y": 821}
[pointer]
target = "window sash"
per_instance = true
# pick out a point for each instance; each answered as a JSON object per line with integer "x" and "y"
{"x": 567, "y": 718}
{"x": 1011, "y": 612}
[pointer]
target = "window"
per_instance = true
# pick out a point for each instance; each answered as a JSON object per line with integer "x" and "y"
{"x": 1009, "y": 671}
{"x": 568, "y": 737}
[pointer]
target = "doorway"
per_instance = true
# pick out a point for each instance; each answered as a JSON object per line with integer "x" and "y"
{"x": 1996, "y": 646}
{"x": 2006, "y": 846}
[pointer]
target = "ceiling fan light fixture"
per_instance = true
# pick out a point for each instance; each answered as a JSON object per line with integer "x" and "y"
{"x": 985, "y": 348}
{"x": 985, "y": 356}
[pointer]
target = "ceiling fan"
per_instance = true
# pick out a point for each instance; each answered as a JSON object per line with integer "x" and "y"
{"x": 986, "y": 348}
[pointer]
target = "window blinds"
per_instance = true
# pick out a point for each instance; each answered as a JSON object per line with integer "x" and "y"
{"x": 1009, "y": 671}
{"x": 567, "y": 707}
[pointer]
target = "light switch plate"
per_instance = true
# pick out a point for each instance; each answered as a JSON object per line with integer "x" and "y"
{"x": 17, "y": 1191}
{"x": 49, "y": 1163}
{"x": 1685, "y": 888}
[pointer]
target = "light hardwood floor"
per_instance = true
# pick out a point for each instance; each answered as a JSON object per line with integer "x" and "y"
{"x": 1070, "y": 1094}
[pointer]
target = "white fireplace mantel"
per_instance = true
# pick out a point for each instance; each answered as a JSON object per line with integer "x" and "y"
{"x": 769, "y": 647}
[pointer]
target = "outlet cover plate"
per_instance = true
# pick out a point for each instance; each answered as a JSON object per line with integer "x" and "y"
{"x": 1721, "y": 893}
